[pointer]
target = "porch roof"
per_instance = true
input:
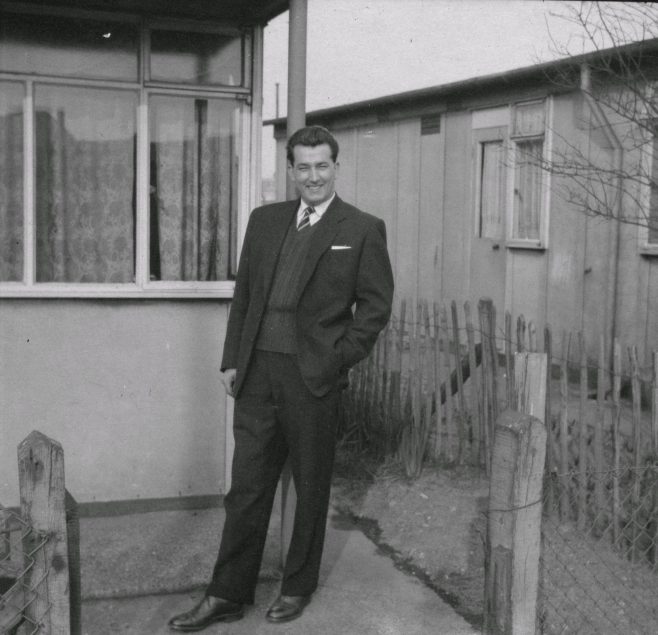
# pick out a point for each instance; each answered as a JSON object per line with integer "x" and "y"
{"x": 241, "y": 11}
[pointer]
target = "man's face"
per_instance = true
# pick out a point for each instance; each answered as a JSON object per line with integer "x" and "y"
{"x": 314, "y": 173}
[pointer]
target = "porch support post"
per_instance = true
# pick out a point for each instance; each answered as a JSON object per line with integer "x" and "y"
{"x": 296, "y": 118}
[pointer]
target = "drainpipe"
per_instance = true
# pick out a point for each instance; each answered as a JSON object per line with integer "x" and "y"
{"x": 296, "y": 118}
{"x": 613, "y": 278}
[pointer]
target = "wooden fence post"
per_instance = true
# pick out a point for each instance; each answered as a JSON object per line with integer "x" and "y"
{"x": 42, "y": 493}
{"x": 530, "y": 384}
{"x": 513, "y": 535}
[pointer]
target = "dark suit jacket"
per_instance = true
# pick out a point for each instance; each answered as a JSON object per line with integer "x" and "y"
{"x": 344, "y": 295}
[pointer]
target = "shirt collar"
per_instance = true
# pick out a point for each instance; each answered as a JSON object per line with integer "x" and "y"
{"x": 320, "y": 209}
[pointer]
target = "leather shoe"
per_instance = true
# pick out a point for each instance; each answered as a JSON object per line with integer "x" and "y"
{"x": 287, "y": 607}
{"x": 206, "y": 612}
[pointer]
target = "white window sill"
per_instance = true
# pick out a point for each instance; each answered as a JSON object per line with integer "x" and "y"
{"x": 535, "y": 245}
{"x": 650, "y": 250}
{"x": 217, "y": 290}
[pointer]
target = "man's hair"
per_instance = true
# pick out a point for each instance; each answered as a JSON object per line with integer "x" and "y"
{"x": 311, "y": 136}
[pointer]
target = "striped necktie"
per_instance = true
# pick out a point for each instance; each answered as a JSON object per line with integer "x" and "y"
{"x": 306, "y": 218}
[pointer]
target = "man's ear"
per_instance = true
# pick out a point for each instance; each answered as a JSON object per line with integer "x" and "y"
{"x": 291, "y": 169}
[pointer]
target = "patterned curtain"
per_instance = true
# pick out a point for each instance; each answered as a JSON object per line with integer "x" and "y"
{"x": 11, "y": 197}
{"x": 492, "y": 191}
{"x": 191, "y": 191}
{"x": 85, "y": 205}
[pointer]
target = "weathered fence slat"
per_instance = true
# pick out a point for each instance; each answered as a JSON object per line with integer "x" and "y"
{"x": 654, "y": 406}
{"x": 438, "y": 373}
{"x": 445, "y": 346}
{"x": 461, "y": 417}
{"x": 616, "y": 440}
{"x": 430, "y": 380}
{"x": 582, "y": 436}
{"x": 476, "y": 388}
{"x": 42, "y": 493}
{"x": 532, "y": 337}
{"x": 599, "y": 494}
{"x": 73, "y": 545}
{"x": 494, "y": 367}
{"x": 520, "y": 334}
{"x": 513, "y": 536}
{"x": 637, "y": 451}
{"x": 564, "y": 431}
{"x": 509, "y": 362}
{"x": 486, "y": 313}
{"x": 654, "y": 449}
{"x": 548, "y": 420}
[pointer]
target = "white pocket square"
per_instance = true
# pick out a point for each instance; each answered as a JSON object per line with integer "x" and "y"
{"x": 341, "y": 247}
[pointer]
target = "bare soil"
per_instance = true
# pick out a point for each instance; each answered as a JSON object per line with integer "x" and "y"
{"x": 435, "y": 528}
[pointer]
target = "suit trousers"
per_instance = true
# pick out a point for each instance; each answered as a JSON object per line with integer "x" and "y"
{"x": 276, "y": 417}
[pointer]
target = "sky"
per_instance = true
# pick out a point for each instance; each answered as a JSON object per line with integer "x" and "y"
{"x": 360, "y": 49}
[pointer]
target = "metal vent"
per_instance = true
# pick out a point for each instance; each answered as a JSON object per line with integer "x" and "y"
{"x": 430, "y": 124}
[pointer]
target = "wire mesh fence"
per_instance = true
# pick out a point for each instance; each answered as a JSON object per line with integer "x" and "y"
{"x": 21, "y": 546}
{"x": 599, "y": 557}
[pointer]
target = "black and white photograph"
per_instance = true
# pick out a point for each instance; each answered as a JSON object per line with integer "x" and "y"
{"x": 330, "y": 317}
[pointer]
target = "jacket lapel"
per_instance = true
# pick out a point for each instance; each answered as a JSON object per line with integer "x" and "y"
{"x": 278, "y": 232}
{"x": 324, "y": 234}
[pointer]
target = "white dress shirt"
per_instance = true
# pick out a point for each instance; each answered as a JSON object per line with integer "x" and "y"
{"x": 320, "y": 209}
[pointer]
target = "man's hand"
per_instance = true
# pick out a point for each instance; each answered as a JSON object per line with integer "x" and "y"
{"x": 228, "y": 379}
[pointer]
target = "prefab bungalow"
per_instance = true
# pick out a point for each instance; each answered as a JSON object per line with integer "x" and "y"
{"x": 472, "y": 179}
{"x": 129, "y": 161}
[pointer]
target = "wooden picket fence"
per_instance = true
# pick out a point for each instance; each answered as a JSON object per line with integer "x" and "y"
{"x": 438, "y": 379}
{"x": 411, "y": 397}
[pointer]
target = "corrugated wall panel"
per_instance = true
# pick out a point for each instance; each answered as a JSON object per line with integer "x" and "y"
{"x": 376, "y": 184}
{"x": 347, "y": 175}
{"x": 457, "y": 219}
{"x": 431, "y": 216}
{"x": 567, "y": 235}
{"x": 408, "y": 209}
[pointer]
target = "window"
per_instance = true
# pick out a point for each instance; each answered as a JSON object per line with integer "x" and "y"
{"x": 491, "y": 190}
{"x": 490, "y": 134}
{"x": 648, "y": 200}
{"x": 529, "y": 184}
{"x": 652, "y": 233}
{"x": 527, "y": 189}
{"x": 68, "y": 46}
{"x": 196, "y": 58}
{"x": 192, "y": 188}
{"x": 120, "y": 146}
{"x": 85, "y": 184}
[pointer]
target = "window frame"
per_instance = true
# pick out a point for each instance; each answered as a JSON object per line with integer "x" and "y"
{"x": 161, "y": 24}
{"x": 481, "y": 136}
{"x": 647, "y": 158}
{"x": 540, "y": 243}
{"x": 246, "y": 154}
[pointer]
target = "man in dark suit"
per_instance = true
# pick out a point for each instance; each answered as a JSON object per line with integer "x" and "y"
{"x": 314, "y": 288}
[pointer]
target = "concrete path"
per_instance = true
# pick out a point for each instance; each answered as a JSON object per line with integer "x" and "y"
{"x": 132, "y": 582}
